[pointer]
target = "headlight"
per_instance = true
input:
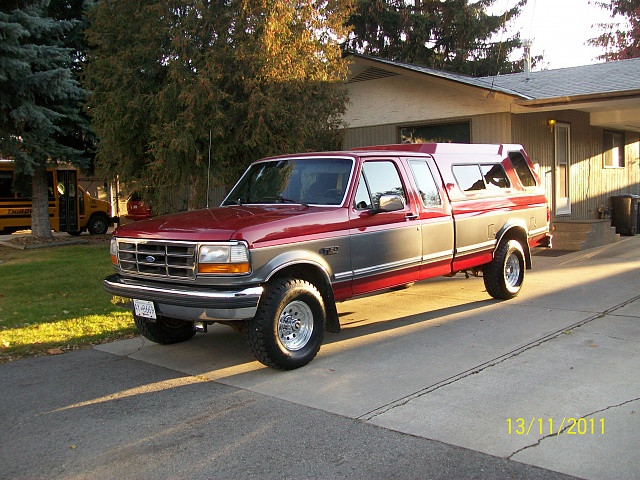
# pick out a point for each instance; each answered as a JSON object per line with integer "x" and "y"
{"x": 221, "y": 258}
{"x": 113, "y": 248}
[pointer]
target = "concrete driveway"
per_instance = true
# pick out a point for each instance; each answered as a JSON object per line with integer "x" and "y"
{"x": 436, "y": 381}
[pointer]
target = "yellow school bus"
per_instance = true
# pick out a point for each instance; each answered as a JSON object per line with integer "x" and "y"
{"x": 71, "y": 208}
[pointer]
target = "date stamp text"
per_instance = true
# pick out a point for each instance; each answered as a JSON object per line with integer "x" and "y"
{"x": 551, "y": 426}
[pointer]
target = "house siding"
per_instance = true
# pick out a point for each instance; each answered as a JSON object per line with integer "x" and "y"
{"x": 591, "y": 185}
{"x": 375, "y": 135}
{"x": 493, "y": 128}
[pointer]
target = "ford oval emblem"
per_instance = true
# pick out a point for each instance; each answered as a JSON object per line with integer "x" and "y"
{"x": 150, "y": 259}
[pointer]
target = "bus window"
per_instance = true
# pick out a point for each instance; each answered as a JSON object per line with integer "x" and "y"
{"x": 6, "y": 179}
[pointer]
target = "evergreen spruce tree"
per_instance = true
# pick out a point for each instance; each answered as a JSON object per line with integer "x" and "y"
{"x": 454, "y": 35}
{"x": 39, "y": 100}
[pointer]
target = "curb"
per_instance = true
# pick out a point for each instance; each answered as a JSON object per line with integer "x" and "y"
{"x": 43, "y": 245}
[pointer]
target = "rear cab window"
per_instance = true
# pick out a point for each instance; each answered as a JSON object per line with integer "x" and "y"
{"x": 481, "y": 177}
{"x": 425, "y": 182}
{"x": 522, "y": 169}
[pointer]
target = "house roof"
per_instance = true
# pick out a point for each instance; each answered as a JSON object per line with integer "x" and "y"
{"x": 596, "y": 79}
{"x": 590, "y": 80}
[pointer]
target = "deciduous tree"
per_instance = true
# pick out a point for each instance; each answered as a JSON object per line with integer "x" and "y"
{"x": 620, "y": 40}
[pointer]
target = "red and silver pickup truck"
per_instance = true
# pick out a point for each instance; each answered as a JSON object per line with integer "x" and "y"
{"x": 299, "y": 233}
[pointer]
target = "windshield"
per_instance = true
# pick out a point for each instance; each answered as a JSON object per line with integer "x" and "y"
{"x": 317, "y": 181}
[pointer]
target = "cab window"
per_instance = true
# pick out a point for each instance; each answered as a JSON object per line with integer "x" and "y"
{"x": 426, "y": 185}
{"x": 378, "y": 178}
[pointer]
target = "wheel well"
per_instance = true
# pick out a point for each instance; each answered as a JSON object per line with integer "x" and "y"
{"x": 99, "y": 214}
{"x": 318, "y": 277}
{"x": 520, "y": 235}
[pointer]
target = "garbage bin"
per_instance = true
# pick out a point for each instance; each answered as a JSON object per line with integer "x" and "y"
{"x": 624, "y": 214}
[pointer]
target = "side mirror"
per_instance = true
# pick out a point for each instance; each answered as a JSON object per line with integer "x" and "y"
{"x": 390, "y": 203}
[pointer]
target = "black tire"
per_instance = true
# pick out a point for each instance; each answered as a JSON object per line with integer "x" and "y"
{"x": 165, "y": 330}
{"x": 98, "y": 224}
{"x": 288, "y": 328}
{"x": 504, "y": 276}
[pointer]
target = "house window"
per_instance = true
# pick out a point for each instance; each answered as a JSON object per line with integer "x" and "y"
{"x": 441, "y": 133}
{"x": 613, "y": 149}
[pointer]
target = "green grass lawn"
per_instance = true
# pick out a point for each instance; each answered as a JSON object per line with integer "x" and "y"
{"x": 51, "y": 300}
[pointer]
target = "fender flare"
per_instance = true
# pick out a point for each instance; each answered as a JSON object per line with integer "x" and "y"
{"x": 316, "y": 270}
{"x": 515, "y": 229}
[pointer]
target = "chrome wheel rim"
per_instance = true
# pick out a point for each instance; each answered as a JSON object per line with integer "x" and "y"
{"x": 512, "y": 270}
{"x": 295, "y": 325}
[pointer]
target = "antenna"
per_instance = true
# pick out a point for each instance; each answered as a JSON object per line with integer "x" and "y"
{"x": 209, "y": 169}
{"x": 527, "y": 58}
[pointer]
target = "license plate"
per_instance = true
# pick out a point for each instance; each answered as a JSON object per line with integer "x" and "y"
{"x": 143, "y": 308}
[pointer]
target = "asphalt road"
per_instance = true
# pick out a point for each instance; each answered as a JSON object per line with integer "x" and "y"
{"x": 436, "y": 381}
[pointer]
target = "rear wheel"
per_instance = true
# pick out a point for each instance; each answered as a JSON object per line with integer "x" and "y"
{"x": 165, "y": 330}
{"x": 288, "y": 328}
{"x": 504, "y": 276}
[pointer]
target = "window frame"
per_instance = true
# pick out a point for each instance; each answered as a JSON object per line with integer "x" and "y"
{"x": 620, "y": 161}
{"x": 364, "y": 177}
{"x": 446, "y": 132}
{"x": 416, "y": 179}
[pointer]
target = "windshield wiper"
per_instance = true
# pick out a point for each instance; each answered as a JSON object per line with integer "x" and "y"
{"x": 281, "y": 199}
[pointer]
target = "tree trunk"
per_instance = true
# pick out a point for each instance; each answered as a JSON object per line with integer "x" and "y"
{"x": 40, "y": 224}
{"x": 196, "y": 193}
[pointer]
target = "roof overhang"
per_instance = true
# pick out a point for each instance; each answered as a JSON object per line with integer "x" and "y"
{"x": 614, "y": 110}
{"x": 619, "y": 110}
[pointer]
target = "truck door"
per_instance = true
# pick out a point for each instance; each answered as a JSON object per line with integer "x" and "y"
{"x": 386, "y": 247}
{"x": 67, "y": 200}
{"x": 436, "y": 221}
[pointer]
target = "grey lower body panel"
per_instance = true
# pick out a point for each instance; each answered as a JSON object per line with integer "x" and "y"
{"x": 190, "y": 304}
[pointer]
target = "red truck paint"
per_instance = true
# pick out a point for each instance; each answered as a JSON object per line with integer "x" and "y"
{"x": 299, "y": 232}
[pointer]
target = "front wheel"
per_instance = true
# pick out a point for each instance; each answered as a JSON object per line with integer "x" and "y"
{"x": 504, "y": 276}
{"x": 98, "y": 225}
{"x": 164, "y": 330}
{"x": 288, "y": 328}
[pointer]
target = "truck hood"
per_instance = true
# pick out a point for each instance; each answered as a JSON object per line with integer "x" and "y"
{"x": 216, "y": 224}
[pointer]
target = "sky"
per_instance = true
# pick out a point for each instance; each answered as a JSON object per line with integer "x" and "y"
{"x": 559, "y": 29}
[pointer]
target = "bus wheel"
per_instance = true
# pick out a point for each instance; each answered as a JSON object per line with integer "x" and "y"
{"x": 98, "y": 225}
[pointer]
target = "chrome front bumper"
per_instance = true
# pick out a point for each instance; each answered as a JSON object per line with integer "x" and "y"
{"x": 188, "y": 304}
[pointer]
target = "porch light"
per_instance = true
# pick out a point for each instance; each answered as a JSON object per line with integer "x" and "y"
{"x": 552, "y": 123}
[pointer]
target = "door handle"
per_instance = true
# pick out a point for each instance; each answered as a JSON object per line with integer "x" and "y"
{"x": 411, "y": 216}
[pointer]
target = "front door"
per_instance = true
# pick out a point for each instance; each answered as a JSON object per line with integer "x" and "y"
{"x": 67, "y": 200}
{"x": 562, "y": 183}
{"x": 386, "y": 247}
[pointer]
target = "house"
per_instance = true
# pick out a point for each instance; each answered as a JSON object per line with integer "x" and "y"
{"x": 580, "y": 125}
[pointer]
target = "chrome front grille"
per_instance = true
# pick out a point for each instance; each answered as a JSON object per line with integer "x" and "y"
{"x": 159, "y": 259}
